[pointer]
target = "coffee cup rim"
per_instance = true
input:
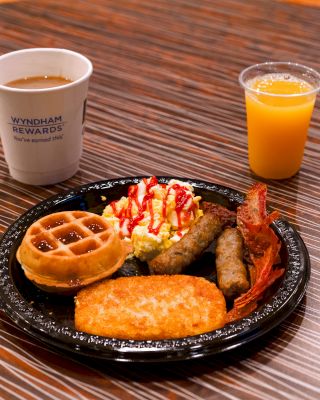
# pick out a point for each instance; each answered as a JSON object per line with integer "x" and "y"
{"x": 76, "y": 82}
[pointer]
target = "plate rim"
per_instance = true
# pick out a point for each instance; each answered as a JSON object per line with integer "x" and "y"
{"x": 209, "y": 343}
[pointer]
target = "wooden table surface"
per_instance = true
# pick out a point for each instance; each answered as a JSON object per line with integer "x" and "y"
{"x": 164, "y": 99}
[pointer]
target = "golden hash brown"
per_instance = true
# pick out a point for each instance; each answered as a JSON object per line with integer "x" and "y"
{"x": 150, "y": 307}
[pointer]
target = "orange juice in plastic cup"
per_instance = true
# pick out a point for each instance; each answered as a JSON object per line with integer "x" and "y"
{"x": 280, "y": 98}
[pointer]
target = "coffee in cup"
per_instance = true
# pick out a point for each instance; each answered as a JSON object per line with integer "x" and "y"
{"x": 43, "y": 94}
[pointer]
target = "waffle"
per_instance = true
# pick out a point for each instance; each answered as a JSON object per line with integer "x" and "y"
{"x": 65, "y": 251}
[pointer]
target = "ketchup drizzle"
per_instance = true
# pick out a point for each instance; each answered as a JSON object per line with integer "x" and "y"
{"x": 182, "y": 197}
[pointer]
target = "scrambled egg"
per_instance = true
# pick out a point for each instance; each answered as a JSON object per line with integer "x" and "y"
{"x": 154, "y": 215}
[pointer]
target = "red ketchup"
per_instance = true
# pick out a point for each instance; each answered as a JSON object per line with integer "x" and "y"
{"x": 182, "y": 198}
{"x": 126, "y": 217}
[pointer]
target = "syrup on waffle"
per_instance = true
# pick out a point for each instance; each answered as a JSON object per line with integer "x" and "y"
{"x": 70, "y": 249}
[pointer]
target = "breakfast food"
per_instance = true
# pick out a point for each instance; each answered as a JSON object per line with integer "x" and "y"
{"x": 150, "y": 307}
{"x": 231, "y": 271}
{"x": 165, "y": 228}
{"x": 154, "y": 216}
{"x": 182, "y": 253}
{"x": 64, "y": 251}
{"x": 263, "y": 246}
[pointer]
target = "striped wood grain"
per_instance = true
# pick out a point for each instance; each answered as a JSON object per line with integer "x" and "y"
{"x": 164, "y": 99}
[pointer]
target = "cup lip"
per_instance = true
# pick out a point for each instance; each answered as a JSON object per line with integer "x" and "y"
{"x": 278, "y": 63}
{"x": 51, "y": 50}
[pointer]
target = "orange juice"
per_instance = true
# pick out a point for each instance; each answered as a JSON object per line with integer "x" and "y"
{"x": 279, "y": 108}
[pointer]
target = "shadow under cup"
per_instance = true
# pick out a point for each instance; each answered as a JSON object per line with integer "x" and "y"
{"x": 41, "y": 128}
{"x": 280, "y": 98}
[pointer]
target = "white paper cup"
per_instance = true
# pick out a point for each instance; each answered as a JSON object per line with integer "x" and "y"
{"x": 41, "y": 129}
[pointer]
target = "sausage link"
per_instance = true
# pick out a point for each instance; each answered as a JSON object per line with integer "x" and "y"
{"x": 231, "y": 271}
{"x": 181, "y": 254}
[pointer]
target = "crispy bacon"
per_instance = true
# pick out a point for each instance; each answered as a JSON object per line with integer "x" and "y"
{"x": 263, "y": 246}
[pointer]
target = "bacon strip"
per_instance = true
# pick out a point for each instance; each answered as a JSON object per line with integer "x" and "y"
{"x": 263, "y": 245}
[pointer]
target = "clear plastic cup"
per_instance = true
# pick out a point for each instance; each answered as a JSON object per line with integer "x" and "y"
{"x": 280, "y": 98}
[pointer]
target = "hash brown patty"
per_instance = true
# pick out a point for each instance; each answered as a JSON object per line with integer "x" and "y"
{"x": 150, "y": 307}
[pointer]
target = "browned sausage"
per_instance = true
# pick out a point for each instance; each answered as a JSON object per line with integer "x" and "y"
{"x": 231, "y": 271}
{"x": 181, "y": 254}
